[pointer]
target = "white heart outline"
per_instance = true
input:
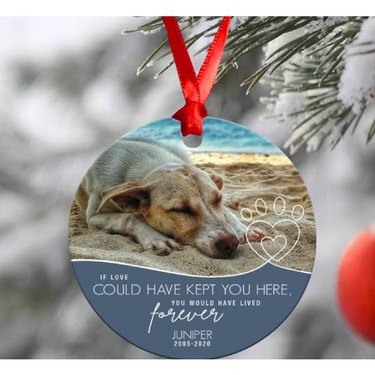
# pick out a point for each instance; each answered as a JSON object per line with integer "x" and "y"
{"x": 273, "y": 239}
{"x": 261, "y": 242}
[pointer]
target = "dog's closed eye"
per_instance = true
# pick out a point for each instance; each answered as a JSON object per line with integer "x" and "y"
{"x": 183, "y": 210}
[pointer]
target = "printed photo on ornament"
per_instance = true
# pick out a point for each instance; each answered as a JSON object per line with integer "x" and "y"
{"x": 227, "y": 207}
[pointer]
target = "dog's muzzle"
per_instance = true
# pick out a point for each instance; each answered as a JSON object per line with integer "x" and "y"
{"x": 226, "y": 245}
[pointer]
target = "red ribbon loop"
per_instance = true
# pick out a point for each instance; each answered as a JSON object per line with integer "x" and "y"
{"x": 195, "y": 89}
{"x": 191, "y": 116}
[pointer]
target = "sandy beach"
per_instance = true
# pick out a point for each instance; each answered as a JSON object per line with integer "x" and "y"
{"x": 247, "y": 178}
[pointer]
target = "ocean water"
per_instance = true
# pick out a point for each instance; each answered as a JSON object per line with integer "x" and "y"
{"x": 218, "y": 136}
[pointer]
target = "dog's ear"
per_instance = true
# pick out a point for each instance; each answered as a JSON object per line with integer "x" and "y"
{"x": 129, "y": 197}
{"x": 217, "y": 179}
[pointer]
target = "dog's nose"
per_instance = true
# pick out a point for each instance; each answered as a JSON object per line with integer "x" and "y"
{"x": 227, "y": 244}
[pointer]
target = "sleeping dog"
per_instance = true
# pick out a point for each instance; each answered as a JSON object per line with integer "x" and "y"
{"x": 152, "y": 192}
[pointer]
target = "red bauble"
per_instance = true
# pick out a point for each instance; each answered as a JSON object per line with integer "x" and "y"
{"x": 356, "y": 284}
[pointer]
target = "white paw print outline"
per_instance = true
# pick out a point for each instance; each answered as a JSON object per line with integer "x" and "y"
{"x": 279, "y": 208}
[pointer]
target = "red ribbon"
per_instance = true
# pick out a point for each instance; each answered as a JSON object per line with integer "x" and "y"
{"x": 195, "y": 89}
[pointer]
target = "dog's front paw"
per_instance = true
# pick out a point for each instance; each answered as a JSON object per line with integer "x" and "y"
{"x": 162, "y": 245}
{"x": 255, "y": 235}
{"x": 244, "y": 235}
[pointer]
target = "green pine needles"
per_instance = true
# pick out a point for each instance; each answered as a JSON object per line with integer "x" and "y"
{"x": 320, "y": 70}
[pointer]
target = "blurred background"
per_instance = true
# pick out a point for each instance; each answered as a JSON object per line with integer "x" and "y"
{"x": 68, "y": 89}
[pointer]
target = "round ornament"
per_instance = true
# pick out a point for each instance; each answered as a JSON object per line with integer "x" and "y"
{"x": 192, "y": 253}
{"x": 356, "y": 284}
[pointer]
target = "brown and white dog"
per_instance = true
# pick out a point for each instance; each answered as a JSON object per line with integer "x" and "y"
{"x": 152, "y": 192}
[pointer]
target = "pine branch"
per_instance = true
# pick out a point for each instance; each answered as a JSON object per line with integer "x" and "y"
{"x": 308, "y": 65}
